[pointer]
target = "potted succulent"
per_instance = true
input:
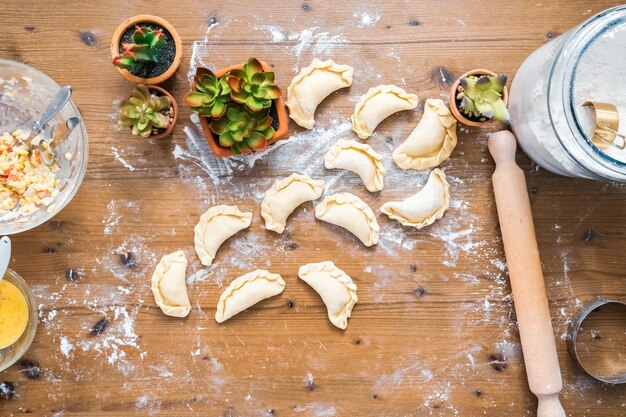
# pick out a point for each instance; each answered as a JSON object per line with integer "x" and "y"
{"x": 240, "y": 107}
{"x": 146, "y": 49}
{"x": 150, "y": 112}
{"x": 480, "y": 97}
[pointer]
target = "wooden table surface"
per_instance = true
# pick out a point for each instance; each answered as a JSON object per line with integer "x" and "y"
{"x": 434, "y": 331}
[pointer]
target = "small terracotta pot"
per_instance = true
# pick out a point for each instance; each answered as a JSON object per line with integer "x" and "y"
{"x": 221, "y": 151}
{"x": 453, "y": 107}
{"x": 137, "y": 20}
{"x": 170, "y": 128}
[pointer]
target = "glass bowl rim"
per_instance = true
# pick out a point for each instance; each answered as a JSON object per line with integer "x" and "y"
{"x": 33, "y": 319}
{"x": 83, "y": 162}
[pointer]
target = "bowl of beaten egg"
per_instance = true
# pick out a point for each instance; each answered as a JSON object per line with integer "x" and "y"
{"x": 18, "y": 318}
{"x": 32, "y": 192}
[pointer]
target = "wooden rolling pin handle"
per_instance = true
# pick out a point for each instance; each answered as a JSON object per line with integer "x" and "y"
{"x": 526, "y": 277}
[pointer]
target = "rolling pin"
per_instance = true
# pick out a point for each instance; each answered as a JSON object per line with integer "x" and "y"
{"x": 529, "y": 293}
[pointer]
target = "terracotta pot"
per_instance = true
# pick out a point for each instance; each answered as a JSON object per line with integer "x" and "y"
{"x": 453, "y": 107}
{"x": 170, "y": 128}
{"x": 213, "y": 141}
{"x": 147, "y": 18}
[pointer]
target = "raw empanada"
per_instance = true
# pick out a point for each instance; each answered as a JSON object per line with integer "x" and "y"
{"x": 351, "y": 213}
{"x": 246, "y": 291}
{"x": 376, "y": 105}
{"x": 358, "y": 158}
{"x": 432, "y": 141}
{"x": 169, "y": 287}
{"x": 336, "y": 288}
{"x": 424, "y": 207}
{"x": 215, "y": 226}
{"x": 312, "y": 85}
{"x": 284, "y": 196}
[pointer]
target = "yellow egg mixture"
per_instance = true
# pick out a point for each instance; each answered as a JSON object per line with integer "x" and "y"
{"x": 13, "y": 314}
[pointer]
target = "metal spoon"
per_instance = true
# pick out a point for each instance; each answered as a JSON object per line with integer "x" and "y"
{"x": 5, "y": 255}
{"x": 61, "y": 132}
{"x": 60, "y": 99}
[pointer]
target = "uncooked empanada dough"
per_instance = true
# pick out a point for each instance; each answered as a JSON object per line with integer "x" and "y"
{"x": 284, "y": 196}
{"x": 246, "y": 291}
{"x": 424, "y": 207}
{"x": 359, "y": 158}
{"x": 336, "y": 288}
{"x": 351, "y": 213}
{"x": 432, "y": 141}
{"x": 169, "y": 287}
{"x": 312, "y": 85}
{"x": 376, "y": 105}
{"x": 215, "y": 226}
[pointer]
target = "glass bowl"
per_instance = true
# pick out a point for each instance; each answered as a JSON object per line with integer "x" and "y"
{"x": 25, "y": 92}
{"x": 13, "y": 353}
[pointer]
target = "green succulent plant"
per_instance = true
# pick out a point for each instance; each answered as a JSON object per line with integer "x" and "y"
{"x": 482, "y": 97}
{"x": 145, "y": 45}
{"x": 252, "y": 86}
{"x": 242, "y": 130}
{"x": 142, "y": 112}
{"x": 211, "y": 96}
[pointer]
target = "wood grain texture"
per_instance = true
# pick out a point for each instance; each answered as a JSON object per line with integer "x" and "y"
{"x": 434, "y": 331}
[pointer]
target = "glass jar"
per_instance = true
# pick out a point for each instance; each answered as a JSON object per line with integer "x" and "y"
{"x": 587, "y": 63}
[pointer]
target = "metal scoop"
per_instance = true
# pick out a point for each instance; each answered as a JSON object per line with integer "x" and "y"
{"x": 60, "y": 99}
{"x": 61, "y": 132}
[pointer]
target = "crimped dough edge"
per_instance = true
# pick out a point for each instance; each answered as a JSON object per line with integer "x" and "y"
{"x": 380, "y": 89}
{"x": 448, "y": 121}
{"x": 432, "y": 218}
{"x": 345, "y": 71}
{"x": 347, "y": 198}
{"x": 374, "y": 156}
{"x": 339, "y": 275}
{"x": 205, "y": 257}
{"x": 266, "y": 212}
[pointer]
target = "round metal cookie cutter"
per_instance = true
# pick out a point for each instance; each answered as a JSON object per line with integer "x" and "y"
{"x": 574, "y": 328}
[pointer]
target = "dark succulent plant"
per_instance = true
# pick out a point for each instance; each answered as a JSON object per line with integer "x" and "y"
{"x": 143, "y": 112}
{"x": 481, "y": 97}
{"x": 242, "y": 130}
{"x": 211, "y": 96}
{"x": 252, "y": 86}
{"x": 146, "y": 43}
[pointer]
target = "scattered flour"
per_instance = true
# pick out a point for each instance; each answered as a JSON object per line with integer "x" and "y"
{"x": 66, "y": 347}
{"x": 308, "y": 379}
{"x": 143, "y": 260}
{"x": 116, "y": 211}
{"x": 317, "y": 409}
{"x": 163, "y": 371}
{"x": 118, "y": 337}
{"x": 458, "y": 239}
{"x": 277, "y": 33}
{"x": 440, "y": 399}
{"x": 416, "y": 373}
{"x": 366, "y": 18}
{"x": 149, "y": 403}
{"x": 121, "y": 160}
{"x": 318, "y": 44}
{"x": 200, "y": 275}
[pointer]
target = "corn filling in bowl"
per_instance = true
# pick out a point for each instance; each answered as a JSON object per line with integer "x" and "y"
{"x": 27, "y": 184}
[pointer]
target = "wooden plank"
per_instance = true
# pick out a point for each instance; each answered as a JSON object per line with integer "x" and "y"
{"x": 434, "y": 311}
